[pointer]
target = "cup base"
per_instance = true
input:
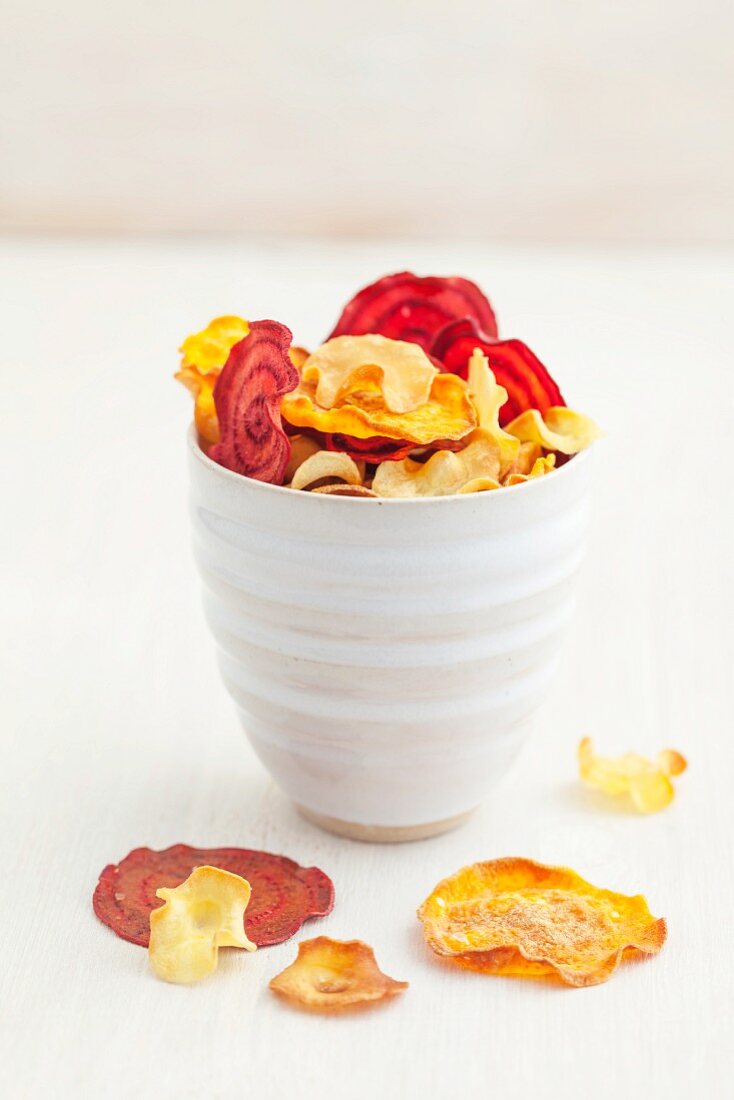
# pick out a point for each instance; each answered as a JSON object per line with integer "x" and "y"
{"x": 383, "y": 834}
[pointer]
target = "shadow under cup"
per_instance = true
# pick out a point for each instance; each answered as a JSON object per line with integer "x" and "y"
{"x": 387, "y": 656}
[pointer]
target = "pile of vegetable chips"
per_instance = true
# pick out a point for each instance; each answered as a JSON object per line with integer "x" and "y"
{"x": 412, "y": 395}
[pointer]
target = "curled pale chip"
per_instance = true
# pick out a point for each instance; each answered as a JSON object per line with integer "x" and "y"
{"x": 647, "y": 782}
{"x": 284, "y": 894}
{"x": 474, "y": 469}
{"x": 520, "y": 918}
{"x": 528, "y": 383}
{"x": 413, "y": 308}
{"x": 302, "y": 447}
{"x": 558, "y": 429}
{"x": 247, "y": 396}
{"x": 326, "y": 464}
{"x": 448, "y": 414}
{"x": 204, "y": 913}
{"x": 334, "y": 974}
{"x": 489, "y": 398}
{"x": 400, "y": 371}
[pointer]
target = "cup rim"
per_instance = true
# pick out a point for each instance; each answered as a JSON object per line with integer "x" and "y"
{"x": 253, "y": 485}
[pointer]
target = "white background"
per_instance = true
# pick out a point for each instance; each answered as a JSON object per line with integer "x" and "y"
{"x": 574, "y": 120}
{"x": 118, "y": 732}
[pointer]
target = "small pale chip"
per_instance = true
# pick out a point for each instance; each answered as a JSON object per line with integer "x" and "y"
{"x": 326, "y": 464}
{"x": 448, "y": 413}
{"x": 489, "y": 397}
{"x": 334, "y": 974}
{"x": 559, "y": 429}
{"x": 201, "y": 915}
{"x": 400, "y": 371}
{"x": 647, "y": 782}
{"x": 517, "y": 917}
{"x": 474, "y": 469}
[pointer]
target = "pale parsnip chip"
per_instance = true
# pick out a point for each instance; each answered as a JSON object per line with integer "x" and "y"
{"x": 489, "y": 397}
{"x": 401, "y": 372}
{"x": 302, "y": 447}
{"x": 647, "y": 782}
{"x": 323, "y": 464}
{"x": 561, "y": 429}
{"x": 474, "y": 469}
{"x": 204, "y": 913}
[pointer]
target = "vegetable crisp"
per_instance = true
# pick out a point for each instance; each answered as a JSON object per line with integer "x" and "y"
{"x": 413, "y": 389}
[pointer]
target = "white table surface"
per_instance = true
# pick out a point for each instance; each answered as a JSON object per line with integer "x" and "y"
{"x": 118, "y": 732}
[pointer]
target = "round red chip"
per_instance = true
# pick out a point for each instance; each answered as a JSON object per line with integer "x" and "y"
{"x": 247, "y": 397}
{"x": 284, "y": 894}
{"x": 409, "y": 307}
{"x": 528, "y": 383}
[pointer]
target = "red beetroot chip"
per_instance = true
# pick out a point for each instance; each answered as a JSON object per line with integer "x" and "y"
{"x": 375, "y": 449}
{"x": 528, "y": 383}
{"x": 284, "y": 894}
{"x": 408, "y": 307}
{"x": 247, "y": 397}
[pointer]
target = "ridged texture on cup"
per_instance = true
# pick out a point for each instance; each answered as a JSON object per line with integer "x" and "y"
{"x": 386, "y": 656}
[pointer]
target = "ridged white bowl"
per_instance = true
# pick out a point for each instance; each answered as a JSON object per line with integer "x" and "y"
{"x": 387, "y": 656}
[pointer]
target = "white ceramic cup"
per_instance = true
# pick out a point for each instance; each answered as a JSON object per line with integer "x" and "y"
{"x": 387, "y": 656}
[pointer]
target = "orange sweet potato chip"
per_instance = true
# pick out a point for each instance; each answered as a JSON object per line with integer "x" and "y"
{"x": 647, "y": 782}
{"x": 334, "y": 974}
{"x": 448, "y": 413}
{"x": 520, "y": 918}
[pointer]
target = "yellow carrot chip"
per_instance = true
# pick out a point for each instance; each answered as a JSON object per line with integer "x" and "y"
{"x": 401, "y": 372}
{"x": 334, "y": 974}
{"x": 517, "y": 917}
{"x": 542, "y": 465}
{"x": 207, "y": 351}
{"x": 647, "y": 782}
{"x": 202, "y": 357}
{"x": 560, "y": 429}
{"x": 474, "y": 469}
{"x": 323, "y": 464}
{"x": 201, "y": 387}
{"x": 201, "y": 915}
{"x": 448, "y": 414}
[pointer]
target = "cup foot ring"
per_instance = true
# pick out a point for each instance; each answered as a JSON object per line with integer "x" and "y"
{"x": 383, "y": 834}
